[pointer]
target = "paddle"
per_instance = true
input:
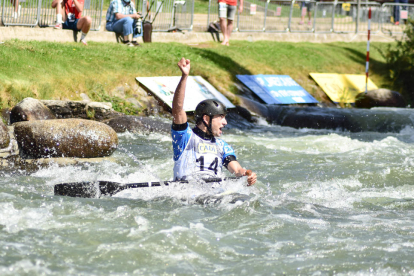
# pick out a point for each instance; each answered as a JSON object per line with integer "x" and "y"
{"x": 108, "y": 188}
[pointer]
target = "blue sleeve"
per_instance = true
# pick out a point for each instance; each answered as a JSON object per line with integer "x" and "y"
{"x": 180, "y": 140}
{"x": 227, "y": 149}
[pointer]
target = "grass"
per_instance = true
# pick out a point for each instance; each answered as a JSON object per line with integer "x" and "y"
{"x": 48, "y": 70}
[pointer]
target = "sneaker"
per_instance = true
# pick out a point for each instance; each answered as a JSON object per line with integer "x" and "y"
{"x": 301, "y": 23}
{"x": 84, "y": 42}
{"x": 128, "y": 43}
{"x": 309, "y": 23}
{"x": 58, "y": 26}
{"x": 135, "y": 44}
{"x": 397, "y": 23}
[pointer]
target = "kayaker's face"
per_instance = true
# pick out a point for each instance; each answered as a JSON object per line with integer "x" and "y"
{"x": 217, "y": 124}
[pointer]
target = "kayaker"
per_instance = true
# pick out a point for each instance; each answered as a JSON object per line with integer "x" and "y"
{"x": 197, "y": 152}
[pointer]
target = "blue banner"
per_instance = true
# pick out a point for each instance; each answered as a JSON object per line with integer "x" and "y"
{"x": 276, "y": 89}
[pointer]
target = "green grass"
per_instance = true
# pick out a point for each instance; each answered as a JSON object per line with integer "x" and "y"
{"x": 47, "y": 70}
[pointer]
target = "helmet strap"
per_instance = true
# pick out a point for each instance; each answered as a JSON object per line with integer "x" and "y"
{"x": 209, "y": 125}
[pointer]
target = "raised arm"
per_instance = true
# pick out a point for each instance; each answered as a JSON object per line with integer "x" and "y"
{"x": 235, "y": 168}
{"x": 179, "y": 115}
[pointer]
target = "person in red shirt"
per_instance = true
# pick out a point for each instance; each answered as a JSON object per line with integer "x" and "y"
{"x": 227, "y": 11}
{"x": 69, "y": 16}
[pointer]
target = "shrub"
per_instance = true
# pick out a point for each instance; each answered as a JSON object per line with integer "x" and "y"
{"x": 400, "y": 62}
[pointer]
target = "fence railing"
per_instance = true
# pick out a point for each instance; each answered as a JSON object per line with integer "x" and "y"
{"x": 390, "y": 13}
{"x": 20, "y": 13}
{"x": 172, "y": 14}
{"x": 308, "y": 16}
{"x": 257, "y": 16}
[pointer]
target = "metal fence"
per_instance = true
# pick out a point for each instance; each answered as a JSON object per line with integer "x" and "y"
{"x": 323, "y": 17}
{"x": 172, "y": 14}
{"x": 277, "y": 16}
{"x": 307, "y": 16}
{"x": 390, "y": 12}
{"x": 253, "y": 16}
{"x": 20, "y": 13}
{"x": 257, "y": 15}
{"x": 345, "y": 18}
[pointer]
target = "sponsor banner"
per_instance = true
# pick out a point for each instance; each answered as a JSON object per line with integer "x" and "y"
{"x": 197, "y": 90}
{"x": 276, "y": 89}
{"x": 342, "y": 88}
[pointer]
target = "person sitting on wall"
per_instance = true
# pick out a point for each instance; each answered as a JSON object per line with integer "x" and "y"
{"x": 69, "y": 16}
{"x": 121, "y": 17}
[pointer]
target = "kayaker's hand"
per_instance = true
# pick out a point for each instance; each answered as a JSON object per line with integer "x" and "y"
{"x": 184, "y": 65}
{"x": 251, "y": 177}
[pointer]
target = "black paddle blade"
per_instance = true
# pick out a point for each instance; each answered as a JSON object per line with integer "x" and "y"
{"x": 79, "y": 189}
{"x": 88, "y": 189}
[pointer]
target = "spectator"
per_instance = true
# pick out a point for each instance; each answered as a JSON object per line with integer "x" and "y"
{"x": 69, "y": 16}
{"x": 397, "y": 11}
{"x": 122, "y": 17}
{"x": 308, "y": 5}
{"x": 17, "y": 8}
{"x": 227, "y": 11}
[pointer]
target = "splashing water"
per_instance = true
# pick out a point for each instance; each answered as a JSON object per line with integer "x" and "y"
{"x": 325, "y": 203}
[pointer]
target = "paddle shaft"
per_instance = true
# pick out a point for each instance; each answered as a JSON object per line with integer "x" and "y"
{"x": 91, "y": 190}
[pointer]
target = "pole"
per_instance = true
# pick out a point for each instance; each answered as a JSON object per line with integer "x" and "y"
{"x": 367, "y": 61}
{"x": 357, "y": 19}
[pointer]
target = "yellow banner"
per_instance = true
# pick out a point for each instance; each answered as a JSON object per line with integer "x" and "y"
{"x": 342, "y": 88}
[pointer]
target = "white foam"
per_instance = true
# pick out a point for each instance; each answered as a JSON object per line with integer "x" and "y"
{"x": 15, "y": 220}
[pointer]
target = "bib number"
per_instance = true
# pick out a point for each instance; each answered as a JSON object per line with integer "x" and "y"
{"x": 212, "y": 167}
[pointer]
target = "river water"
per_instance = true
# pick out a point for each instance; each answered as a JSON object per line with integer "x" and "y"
{"x": 326, "y": 202}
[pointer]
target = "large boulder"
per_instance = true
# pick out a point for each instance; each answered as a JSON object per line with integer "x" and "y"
{"x": 65, "y": 138}
{"x": 4, "y": 135}
{"x": 138, "y": 124}
{"x": 30, "y": 109}
{"x": 380, "y": 97}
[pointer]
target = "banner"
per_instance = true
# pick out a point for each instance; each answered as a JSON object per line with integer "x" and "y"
{"x": 276, "y": 89}
{"x": 342, "y": 88}
{"x": 197, "y": 90}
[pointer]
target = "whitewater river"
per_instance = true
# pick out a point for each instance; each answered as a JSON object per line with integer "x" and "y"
{"x": 326, "y": 202}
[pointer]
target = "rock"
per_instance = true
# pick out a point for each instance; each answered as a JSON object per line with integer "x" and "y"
{"x": 4, "y": 135}
{"x": 5, "y": 114}
{"x": 138, "y": 124}
{"x": 65, "y": 138}
{"x": 29, "y": 110}
{"x": 81, "y": 109}
{"x": 380, "y": 97}
{"x": 255, "y": 107}
{"x": 85, "y": 97}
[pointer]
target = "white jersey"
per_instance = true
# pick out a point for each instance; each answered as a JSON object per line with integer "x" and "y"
{"x": 198, "y": 157}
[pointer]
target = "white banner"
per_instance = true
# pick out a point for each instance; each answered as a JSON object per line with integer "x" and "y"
{"x": 197, "y": 90}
